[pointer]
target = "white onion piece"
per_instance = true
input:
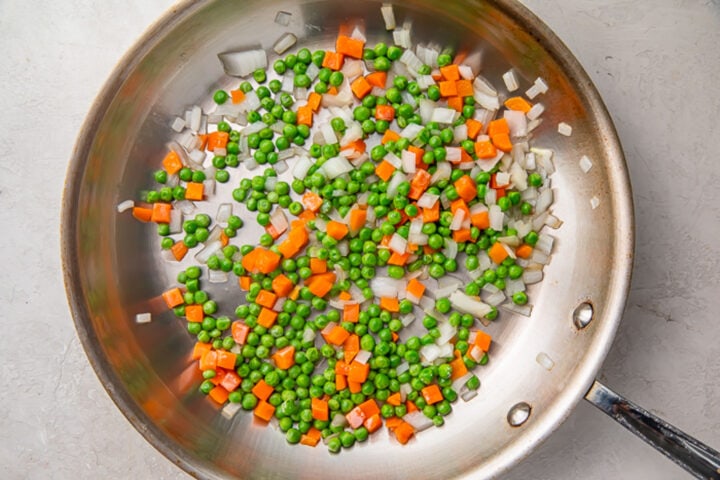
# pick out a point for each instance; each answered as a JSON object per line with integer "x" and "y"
{"x": 460, "y": 133}
{"x": 386, "y": 286}
{"x": 278, "y": 220}
{"x": 495, "y": 299}
{"x": 444, "y": 115}
{"x": 125, "y": 205}
{"x": 466, "y": 72}
{"x": 401, "y": 37}
{"x": 427, "y": 107}
{"x": 545, "y": 243}
{"x": 416, "y": 225}
{"x": 532, "y": 276}
{"x": 394, "y": 184}
{"x": 308, "y": 335}
{"x": 393, "y": 160}
{"x": 418, "y": 420}
{"x": 336, "y": 166}
{"x": 240, "y": 64}
{"x": 328, "y": 134}
{"x": 460, "y": 382}
{"x": 363, "y": 356}
{"x": 284, "y": 43}
{"x": 302, "y": 165}
{"x": 446, "y": 286}
{"x": 457, "y": 220}
{"x": 427, "y": 200}
{"x": 511, "y": 81}
{"x": 535, "y": 111}
{"x": 544, "y": 360}
{"x": 418, "y": 238}
{"x": 468, "y": 395}
{"x": 388, "y": 16}
{"x": 487, "y": 164}
{"x": 338, "y": 420}
{"x": 512, "y": 286}
{"x": 224, "y": 212}
{"x": 210, "y": 249}
{"x": 496, "y": 217}
{"x": 352, "y": 68}
{"x": 476, "y": 353}
{"x": 517, "y": 122}
{"x": 353, "y": 132}
{"x": 467, "y": 304}
{"x": 447, "y": 332}
{"x": 408, "y": 161}
{"x": 585, "y": 164}
{"x": 397, "y": 243}
{"x": 524, "y": 310}
{"x": 544, "y": 201}
{"x": 443, "y": 172}
{"x": 450, "y": 250}
{"x": 217, "y": 276}
{"x": 429, "y": 353}
{"x": 143, "y": 318}
{"x": 176, "y": 217}
{"x": 564, "y": 129}
{"x": 454, "y": 154}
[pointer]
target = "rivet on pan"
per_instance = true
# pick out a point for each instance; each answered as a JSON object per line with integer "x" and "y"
{"x": 518, "y": 414}
{"x": 583, "y": 315}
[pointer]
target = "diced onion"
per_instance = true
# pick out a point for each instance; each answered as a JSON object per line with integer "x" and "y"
{"x": 398, "y": 243}
{"x": 496, "y": 217}
{"x": 427, "y": 200}
{"x": 285, "y": 43}
{"x": 408, "y": 161}
{"x": 564, "y": 129}
{"x": 467, "y": 304}
{"x": 544, "y": 360}
{"x": 517, "y": 122}
{"x": 125, "y": 205}
{"x": 450, "y": 250}
{"x": 532, "y": 276}
{"x": 444, "y": 115}
{"x": 224, "y": 212}
{"x": 386, "y": 286}
{"x": 394, "y": 184}
{"x": 429, "y": 353}
{"x": 443, "y": 172}
{"x": 337, "y": 166}
{"x": 143, "y": 318}
{"x": 302, "y": 165}
{"x": 535, "y": 111}
{"x": 241, "y": 64}
{"x": 585, "y": 164}
{"x": 363, "y": 356}
{"x": 217, "y": 276}
{"x": 511, "y": 81}
{"x": 210, "y": 249}
{"x": 418, "y": 420}
{"x": 175, "y": 224}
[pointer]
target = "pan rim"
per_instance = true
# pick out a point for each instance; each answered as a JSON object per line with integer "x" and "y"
{"x": 536, "y": 433}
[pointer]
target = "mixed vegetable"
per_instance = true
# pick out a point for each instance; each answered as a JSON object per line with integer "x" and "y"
{"x": 410, "y": 214}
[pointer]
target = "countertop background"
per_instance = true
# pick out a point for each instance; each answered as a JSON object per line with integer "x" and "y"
{"x": 656, "y": 64}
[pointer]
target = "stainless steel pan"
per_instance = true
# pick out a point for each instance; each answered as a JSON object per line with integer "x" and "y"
{"x": 111, "y": 273}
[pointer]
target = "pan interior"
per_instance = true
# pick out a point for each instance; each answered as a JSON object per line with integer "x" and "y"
{"x": 113, "y": 270}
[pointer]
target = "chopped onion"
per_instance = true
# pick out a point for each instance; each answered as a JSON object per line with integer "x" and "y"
{"x": 411, "y": 60}
{"x": 338, "y": 420}
{"x": 418, "y": 420}
{"x": 143, "y": 318}
{"x": 460, "y": 133}
{"x": 545, "y": 243}
{"x": 585, "y": 164}
{"x": 487, "y": 164}
{"x": 386, "y": 286}
{"x": 408, "y": 161}
{"x": 444, "y": 115}
{"x": 125, "y": 205}
{"x": 418, "y": 238}
{"x": 450, "y": 250}
{"x": 224, "y": 212}
{"x": 388, "y": 16}
{"x": 467, "y": 304}
{"x": 302, "y": 166}
{"x": 466, "y": 72}
{"x": 175, "y": 224}
{"x": 428, "y": 200}
{"x": 495, "y": 299}
{"x": 511, "y": 81}
{"x": 279, "y": 221}
{"x": 447, "y": 332}
{"x": 394, "y": 184}
{"x": 412, "y": 130}
{"x": 407, "y": 319}
{"x": 544, "y": 200}
{"x": 460, "y": 382}
{"x": 217, "y": 276}
{"x": 512, "y": 286}
{"x": 532, "y": 276}
{"x": 401, "y": 37}
{"x": 541, "y": 85}
{"x": 429, "y": 353}
{"x": 240, "y": 64}
{"x": 564, "y": 129}
{"x": 535, "y": 111}
{"x": 594, "y": 202}
{"x": 178, "y": 124}
{"x": 353, "y": 132}
{"x": 208, "y": 251}
{"x": 496, "y": 217}
{"x": 352, "y": 68}
{"x": 468, "y": 395}
{"x": 524, "y": 310}
{"x": 544, "y": 360}
{"x": 397, "y": 243}
{"x": 443, "y": 172}
{"x": 328, "y": 134}
{"x": 393, "y": 159}
{"x": 230, "y": 409}
{"x": 363, "y": 356}
{"x": 284, "y": 43}
{"x": 457, "y": 220}
{"x": 336, "y": 166}
{"x": 517, "y": 122}
{"x": 454, "y": 154}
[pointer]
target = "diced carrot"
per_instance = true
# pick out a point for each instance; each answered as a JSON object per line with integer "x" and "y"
{"x": 498, "y": 126}
{"x": 466, "y": 188}
{"x": 358, "y": 372}
{"x": 482, "y": 340}
{"x": 319, "y": 408}
{"x": 305, "y": 116}
{"x": 237, "y": 96}
{"x": 230, "y": 381}
{"x": 173, "y": 297}
{"x": 194, "y": 191}
{"x": 267, "y": 261}
{"x": 333, "y": 60}
{"x": 319, "y": 285}
{"x": 179, "y": 250}
{"x": 208, "y": 361}
{"x": 358, "y": 216}
{"x": 459, "y": 204}
{"x": 262, "y": 390}
{"x": 332, "y": 90}
{"x": 497, "y": 253}
{"x": 313, "y": 101}
{"x": 395, "y": 399}
{"x": 200, "y": 349}
{"x": 354, "y": 387}
{"x": 342, "y": 368}
{"x": 264, "y": 410}
{"x": 240, "y": 332}
{"x": 458, "y": 366}
{"x": 518, "y": 103}
{"x": 419, "y": 183}
{"x": 464, "y": 88}
{"x": 398, "y": 258}
{"x": 384, "y": 170}
{"x": 249, "y": 260}
{"x": 456, "y": 103}
{"x": 360, "y": 87}
{"x": 296, "y": 241}
{"x": 403, "y": 432}
{"x": 485, "y": 149}
{"x": 351, "y": 312}
{"x": 219, "y": 394}
{"x": 448, "y": 88}
{"x": 311, "y": 438}
{"x": 318, "y": 265}
{"x": 244, "y": 282}
{"x": 502, "y": 141}
{"x": 473, "y": 128}
{"x": 390, "y": 304}
{"x": 337, "y": 335}
{"x": 285, "y": 357}
{"x": 226, "y": 359}
{"x": 203, "y": 141}
{"x": 390, "y": 136}
{"x": 345, "y": 295}
{"x": 499, "y": 192}
{"x": 340, "y": 382}
{"x": 141, "y": 213}
{"x": 524, "y": 251}
{"x": 481, "y": 220}
{"x": 312, "y": 201}
{"x": 266, "y": 299}
{"x": 431, "y": 214}
{"x": 385, "y": 112}
{"x": 432, "y": 394}
{"x": 394, "y": 336}
{"x": 462, "y": 235}
{"x": 172, "y": 163}
{"x": 274, "y": 232}
{"x": 377, "y": 79}
{"x": 267, "y": 317}
{"x": 351, "y": 347}
{"x": 393, "y": 422}
{"x": 194, "y": 313}
{"x": 369, "y": 408}
{"x": 336, "y": 230}
{"x": 282, "y": 285}
{"x": 450, "y": 72}
{"x": 358, "y": 146}
{"x": 373, "y": 423}
{"x": 217, "y": 139}
{"x": 224, "y": 239}
{"x": 351, "y": 47}
{"x": 411, "y": 407}
{"x": 415, "y": 288}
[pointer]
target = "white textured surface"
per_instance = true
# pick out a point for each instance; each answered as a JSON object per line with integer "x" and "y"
{"x": 656, "y": 64}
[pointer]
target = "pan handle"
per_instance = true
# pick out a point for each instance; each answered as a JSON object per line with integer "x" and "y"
{"x": 694, "y": 456}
